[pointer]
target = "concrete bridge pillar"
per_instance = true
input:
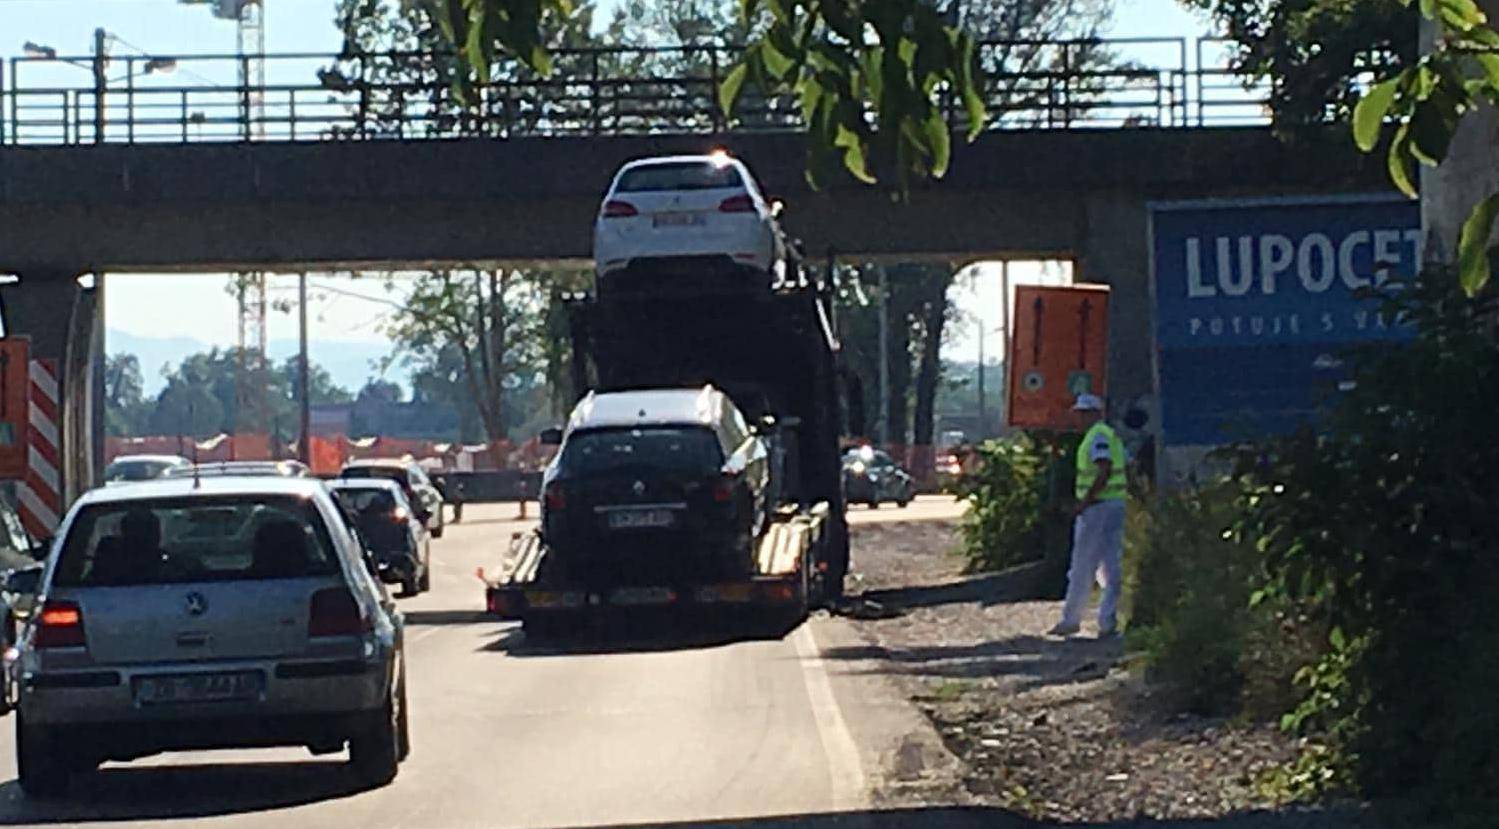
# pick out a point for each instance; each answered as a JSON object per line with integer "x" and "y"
{"x": 1114, "y": 250}
{"x": 64, "y": 321}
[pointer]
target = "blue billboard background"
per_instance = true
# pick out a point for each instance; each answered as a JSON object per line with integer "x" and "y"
{"x": 1256, "y": 310}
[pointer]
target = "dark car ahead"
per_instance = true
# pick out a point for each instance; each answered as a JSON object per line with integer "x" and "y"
{"x": 661, "y": 482}
{"x": 873, "y": 477}
{"x": 400, "y": 544}
{"x": 425, "y": 500}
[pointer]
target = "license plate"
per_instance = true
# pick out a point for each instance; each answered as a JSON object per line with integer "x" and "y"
{"x": 642, "y": 595}
{"x": 639, "y": 518}
{"x": 157, "y": 690}
{"x": 677, "y": 220}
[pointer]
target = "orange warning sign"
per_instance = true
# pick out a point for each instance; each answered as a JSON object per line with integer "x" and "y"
{"x": 1059, "y": 344}
{"x": 14, "y": 384}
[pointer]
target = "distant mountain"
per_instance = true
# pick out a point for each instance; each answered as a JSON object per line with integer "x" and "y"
{"x": 350, "y": 363}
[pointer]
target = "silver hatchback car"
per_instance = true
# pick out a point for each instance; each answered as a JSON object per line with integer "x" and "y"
{"x": 220, "y": 613}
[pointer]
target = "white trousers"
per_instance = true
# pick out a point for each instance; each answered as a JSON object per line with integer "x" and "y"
{"x": 1097, "y": 547}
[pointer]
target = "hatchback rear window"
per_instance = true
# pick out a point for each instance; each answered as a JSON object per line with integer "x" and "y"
{"x": 135, "y": 470}
{"x": 371, "y": 500}
{"x": 688, "y": 449}
{"x": 172, "y": 540}
{"x": 686, "y": 175}
{"x": 384, "y": 473}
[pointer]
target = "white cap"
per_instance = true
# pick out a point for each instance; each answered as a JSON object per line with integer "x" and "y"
{"x": 1088, "y": 403}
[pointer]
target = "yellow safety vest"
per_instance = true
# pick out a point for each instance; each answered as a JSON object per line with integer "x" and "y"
{"x": 1087, "y": 470}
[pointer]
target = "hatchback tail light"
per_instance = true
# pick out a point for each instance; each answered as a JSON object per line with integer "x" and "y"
{"x": 336, "y": 613}
{"x": 60, "y": 625}
{"x": 399, "y": 515}
{"x": 615, "y": 209}
{"x": 555, "y": 497}
{"x": 741, "y": 203}
{"x": 723, "y": 488}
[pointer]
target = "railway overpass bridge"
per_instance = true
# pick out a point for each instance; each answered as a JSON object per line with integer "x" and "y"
{"x": 99, "y": 186}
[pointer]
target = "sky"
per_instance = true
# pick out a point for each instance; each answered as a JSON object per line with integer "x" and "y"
{"x": 171, "y": 27}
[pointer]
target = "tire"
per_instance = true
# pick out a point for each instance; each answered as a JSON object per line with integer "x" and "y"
{"x": 437, "y": 533}
{"x": 874, "y": 503}
{"x": 424, "y": 583}
{"x": 410, "y": 586}
{"x": 41, "y": 765}
{"x": 375, "y": 749}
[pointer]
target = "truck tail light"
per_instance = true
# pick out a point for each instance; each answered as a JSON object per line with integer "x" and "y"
{"x": 615, "y": 209}
{"x": 336, "y": 613}
{"x": 60, "y": 625}
{"x": 741, "y": 203}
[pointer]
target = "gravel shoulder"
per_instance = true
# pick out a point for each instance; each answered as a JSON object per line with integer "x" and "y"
{"x": 1057, "y": 730}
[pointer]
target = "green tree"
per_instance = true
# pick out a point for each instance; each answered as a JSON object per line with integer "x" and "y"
{"x": 1315, "y": 55}
{"x": 491, "y": 320}
{"x": 380, "y": 391}
{"x": 125, "y": 408}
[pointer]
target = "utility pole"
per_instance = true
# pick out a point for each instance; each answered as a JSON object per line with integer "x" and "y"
{"x": 101, "y": 82}
{"x": 1468, "y": 175}
{"x": 304, "y": 381}
{"x": 1004, "y": 329}
{"x": 884, "y": 420}
{"x": 983, "y": 414}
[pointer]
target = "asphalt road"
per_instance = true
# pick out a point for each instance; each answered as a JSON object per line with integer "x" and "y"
{"x": 624, "y": 729}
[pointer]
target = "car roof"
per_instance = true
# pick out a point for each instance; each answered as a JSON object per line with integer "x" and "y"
{"x": 365, "y": 483}
{"x": 698, "y": 407}
{"x": 149, "y": 459}
{"x": 205, "y": 487}
{"x": 392, "y": 463}
{"x": 676, "y": 159}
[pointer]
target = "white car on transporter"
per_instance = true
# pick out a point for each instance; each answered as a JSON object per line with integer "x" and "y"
{"x": 695, "y": 216}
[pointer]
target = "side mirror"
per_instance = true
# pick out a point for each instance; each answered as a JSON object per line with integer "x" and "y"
{"x": 25, "y": 581}
{"x": 551, "y": 436}
{"x": 41, "y": 548}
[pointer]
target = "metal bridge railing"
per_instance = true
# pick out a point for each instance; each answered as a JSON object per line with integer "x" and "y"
{"x": 1027, "y": 84}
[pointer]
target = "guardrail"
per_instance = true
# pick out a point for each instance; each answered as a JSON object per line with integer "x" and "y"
{"x": 1035, "y": 84}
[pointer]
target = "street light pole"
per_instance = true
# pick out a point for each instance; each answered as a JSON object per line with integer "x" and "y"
{"x": 884, "y": 359}
{"x": 983, "y": 413}
{"x": 101, "y": 61}
{"x": 304, "y": 383}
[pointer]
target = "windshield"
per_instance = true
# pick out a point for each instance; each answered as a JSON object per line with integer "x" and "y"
{"x": 678, "y": 449}
{"x": 389, "y": 473}
{"x": 685, "y": 175}
{"x": 192, "y": 539}
{"x": 135, "y": 470}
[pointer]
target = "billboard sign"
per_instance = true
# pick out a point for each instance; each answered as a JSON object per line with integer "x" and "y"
{"x": 1059, "y": 345}
{"x": 1256, "y": 306}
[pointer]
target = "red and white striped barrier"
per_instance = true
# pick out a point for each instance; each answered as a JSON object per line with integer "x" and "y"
{"x": 40, "y": 493}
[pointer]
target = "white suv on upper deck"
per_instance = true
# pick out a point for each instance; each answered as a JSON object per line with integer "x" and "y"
{"x": 693, "y": 213}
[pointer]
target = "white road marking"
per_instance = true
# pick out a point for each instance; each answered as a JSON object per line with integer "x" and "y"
{"x": 846, "y": 772}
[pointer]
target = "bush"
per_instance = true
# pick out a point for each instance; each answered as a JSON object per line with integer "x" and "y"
{"x": 1385, "y": 521}
{"x": 1188, "y": 584}
{"x": 1017, "y": 495}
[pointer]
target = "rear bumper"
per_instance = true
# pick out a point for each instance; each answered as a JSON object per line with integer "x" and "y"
{"x": 128, "y": 740}
{"x": 291, "y": 689}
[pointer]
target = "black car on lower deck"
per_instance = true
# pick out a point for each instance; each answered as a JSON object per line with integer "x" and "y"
{"x": 390, "y": 529}
{"x": 872, "y": 477}
{"x": 666, "y": 483}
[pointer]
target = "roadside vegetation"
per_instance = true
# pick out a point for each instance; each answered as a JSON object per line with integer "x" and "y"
{"x": 1334, "y": 583}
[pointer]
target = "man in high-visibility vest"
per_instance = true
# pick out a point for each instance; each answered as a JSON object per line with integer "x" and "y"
{"x": 1098, "y": 530}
